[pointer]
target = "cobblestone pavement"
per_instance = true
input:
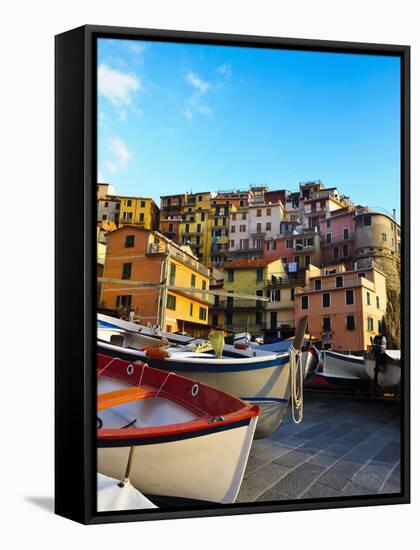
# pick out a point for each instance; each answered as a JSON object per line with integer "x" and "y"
{"x": 343, "y": 447}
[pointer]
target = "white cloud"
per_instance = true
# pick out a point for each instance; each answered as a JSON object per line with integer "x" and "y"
{"x": 137, "y": 47}
{"x": 116, "y": 86}
{"x": 188, "y": 114}
{"x": 201, "y": 85}
{"x": 120, "y": 152}
{"x": 224, "y": 69}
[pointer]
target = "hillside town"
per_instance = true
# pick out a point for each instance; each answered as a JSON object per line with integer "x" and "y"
{"x": 253, "y": 260}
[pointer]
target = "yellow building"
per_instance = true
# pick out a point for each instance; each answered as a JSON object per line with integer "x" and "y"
{"x": 149, "y": 257}
{"x": 245, "y": 277}
{"x": 139, "y": 211}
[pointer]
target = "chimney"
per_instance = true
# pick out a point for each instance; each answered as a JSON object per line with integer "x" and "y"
{"x": 393, "y": 213}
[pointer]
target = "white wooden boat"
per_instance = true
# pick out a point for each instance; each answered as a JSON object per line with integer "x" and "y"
{"x": 389, "y": 373}
{"x": 339, "y": 368}
{"x": 191, "y": 441}
{"x": 257, "y": 376}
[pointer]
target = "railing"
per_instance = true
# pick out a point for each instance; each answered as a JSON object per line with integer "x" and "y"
{"x": 284, "y": 282}
{"x": 181, "y": 257}
{"x": 304, "y": 248}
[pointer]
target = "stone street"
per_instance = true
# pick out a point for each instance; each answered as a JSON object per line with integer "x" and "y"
{"x": 343, "y": 447}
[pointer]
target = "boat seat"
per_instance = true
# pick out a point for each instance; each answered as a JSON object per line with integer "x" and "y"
{"x": 118, "y": 397}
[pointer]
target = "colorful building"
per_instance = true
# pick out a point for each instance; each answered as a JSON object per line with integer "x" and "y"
{"x": 138, "y": 211}
{"x": 246, "y": 277}
{"x": 345, "y": 309}
{"x": 337, "y": 232}
{"x": 136, "y": 254}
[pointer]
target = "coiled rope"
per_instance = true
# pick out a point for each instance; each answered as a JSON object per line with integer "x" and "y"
{"x": 296, "y": 384}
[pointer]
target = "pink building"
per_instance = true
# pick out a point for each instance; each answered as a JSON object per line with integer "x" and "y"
{"x": 337, "y": 232}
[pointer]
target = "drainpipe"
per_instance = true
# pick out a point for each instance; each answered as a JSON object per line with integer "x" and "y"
{"x": 164, "y": 290}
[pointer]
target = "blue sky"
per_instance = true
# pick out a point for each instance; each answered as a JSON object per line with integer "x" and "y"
{"x": 181, "y": 117}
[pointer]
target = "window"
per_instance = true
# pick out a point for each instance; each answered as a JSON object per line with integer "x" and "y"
{"x": 258, "y": 318}
{"x": 292, "y": 294}
{"x": 199, "y": 228}
{"x": 259, "y": 228}
{"x": 346, "y": 234}
{"x": 367, "y": 220}
{"x": 191, "y": 309}
{"x": 345, "y": 250}
{"x": 275, "y": 295}
{"x": 370, "y": 324}
{"x": 326, "y": 324}
{"x": 243, "y": 215}
{"x": 350, "y": 324}
{"x": 193, "y": 281}
{"x": 335, "y": 252}
{"x": 129, "y": 203}
{"x": 216, "y": 301}
{"x": 326, "y": 300}
{"x": 203, "y": 285}
{"x": 172, "y": 273}
{"x": 216, "y": 222}
{"x": 203, "y": 216}
{"x": 349, "y": 297}
{"x": 307, "y": 260}
{"x": 304, "y": 302}
{"x": 329, "y": 225}
{"x": 368, "y": 298}
{"x": 377, "y": 303}
{"x": 234, "y": 216}
{"x": 289, "y": 243}
{"x": 142, "y": 204}
{"x": 124, "y": 301}
{"x": 260, "y": 274}
{"x": 106, "y": 205}
{"x": 231, "y": 275}
{"x": 328, "y": 237}
{"x": 233, "y": 228}
{"x": 126, "y": 271}
{"x": 258, "y": 212}
{"x": 242, "y": 228}
{"x": 268, "y": 226}
{"x": 171, "y": 228}
{"x": 379, "y": 326}
{"x": 142, "y": 217}
{"x": 203, "y": 314}
{"x": 215, "y": 320}
{"x": 317, "y": 284}
{"x": 104, "y": 216}
{"x": 384, "y": 237}
{"x": 200, "y": 198}
{"x": 339, "y": 281}
{"x": 168, "y": 328}
{"x": 229, "y": 318}
{"x": 171, "y": 302}
{"x": 362, "y": 274}
{"x": 187, "y": 228}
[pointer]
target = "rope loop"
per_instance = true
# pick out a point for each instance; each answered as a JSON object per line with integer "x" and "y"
{"x": 106, "y": 366}
{"x": 296, "y": 384}
{"x": 163, "y": 383}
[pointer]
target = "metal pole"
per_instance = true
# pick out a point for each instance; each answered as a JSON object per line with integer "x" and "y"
{"x": 128, "y": 468}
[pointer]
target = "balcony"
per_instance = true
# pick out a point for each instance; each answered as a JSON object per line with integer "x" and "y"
{"x": 180, "y": 256}
{"x": 285, "y": 282}
{"x": 256, "y": 233}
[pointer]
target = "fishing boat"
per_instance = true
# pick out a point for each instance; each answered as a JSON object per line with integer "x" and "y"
{"x": 389, "y": 370}
{"x": 310, "y": 355}
{"x": 257, "y": 376}
{"x": 191, "y": 441}
{"x": 340, "y": 369}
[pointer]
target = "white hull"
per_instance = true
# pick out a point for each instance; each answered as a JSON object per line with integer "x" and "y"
{"x": 203, "y": 468}
{"x": 389, "y": 375}
{"x": 342, "y": 367}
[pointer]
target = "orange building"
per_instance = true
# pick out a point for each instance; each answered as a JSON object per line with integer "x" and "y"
{"x": 345, "y": 309}
{"x": 136, "y": 254}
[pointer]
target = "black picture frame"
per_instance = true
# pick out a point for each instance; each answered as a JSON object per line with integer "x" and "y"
{"x": 75, "y": 276}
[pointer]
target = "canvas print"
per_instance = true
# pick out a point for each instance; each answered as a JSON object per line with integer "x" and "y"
{"x": 248, "y": 275}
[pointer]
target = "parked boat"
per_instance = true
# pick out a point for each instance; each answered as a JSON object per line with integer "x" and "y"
{"x": 191, "y": 441}
{"x": 310, "y": 355}
{"x": 260, "y": 377}
{"x": 389, "y": 370}
{"x": 341, "y": 369}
